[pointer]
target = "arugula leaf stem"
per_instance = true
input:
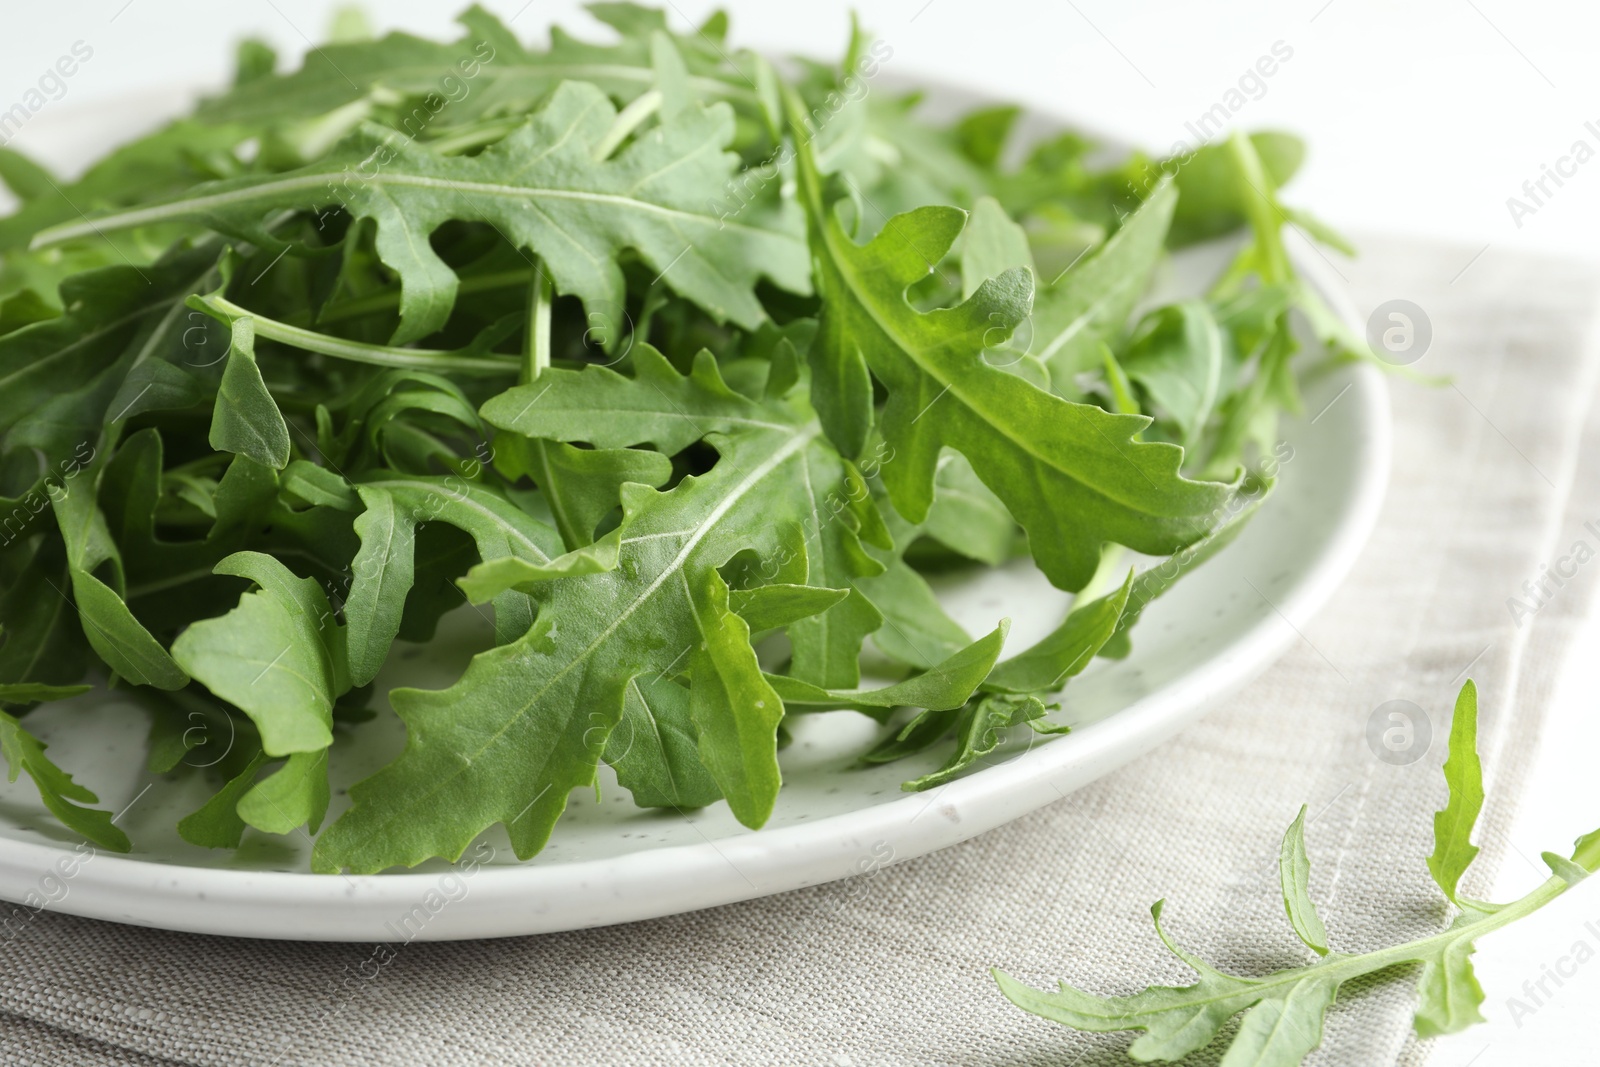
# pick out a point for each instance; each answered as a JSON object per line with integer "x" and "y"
{"x": 628, "y": 120}
{"x": 1261, "y": 211}
{"x": 536, "y": 345}
{"x": 433, "y": 359}
{"x": 476, "y": 135}
{"x": 388, "y": 299}
{"x": 1107, "y": 577}
{"x": 1346, "y": 967}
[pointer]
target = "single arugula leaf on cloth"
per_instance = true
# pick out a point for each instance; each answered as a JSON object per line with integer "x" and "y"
{"x": 671, "y": 411}
{"x": 1294, "y": 876}
{"x": 64, "y": 797}
{"x": 529, "y": 721}
{"x": 545, "y": 189}
{"x": 1453, "y": 850}
{"x": 1283, "y": 1011}
{"x": 1071, "y": 474}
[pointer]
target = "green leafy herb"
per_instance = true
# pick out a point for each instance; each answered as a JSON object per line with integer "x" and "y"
{"x": 1283, "y": 1011}
{"x": 611, "y": 345}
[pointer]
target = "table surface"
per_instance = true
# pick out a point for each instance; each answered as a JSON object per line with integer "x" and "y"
{"x": 1426, "y": 119}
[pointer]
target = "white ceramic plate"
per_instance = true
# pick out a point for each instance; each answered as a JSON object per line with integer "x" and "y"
{"x": 609, "y": 862}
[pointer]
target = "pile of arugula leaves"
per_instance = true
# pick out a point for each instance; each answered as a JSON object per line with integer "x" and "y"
{"x": 689, "y": 370}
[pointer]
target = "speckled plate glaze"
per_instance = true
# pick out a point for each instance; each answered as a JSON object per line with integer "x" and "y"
{"x": 609, "y": 862}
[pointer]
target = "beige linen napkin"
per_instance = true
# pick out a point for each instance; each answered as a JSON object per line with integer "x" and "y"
{"x": 1493, "y": 476}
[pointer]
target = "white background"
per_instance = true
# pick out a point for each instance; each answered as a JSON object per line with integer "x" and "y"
{"x": 1423, "y": 118}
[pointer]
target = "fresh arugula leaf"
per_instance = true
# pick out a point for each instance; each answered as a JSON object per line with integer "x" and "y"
{"x": 967, "y": 517}
{"x": 979, "y": 728}
{"x": 671, "y": 411}
{"x": 559, "y": 689}
{"x": 384, "y": 569}
{"x": 545, "y": 188}
{"x": 915, "y": 631}
{"x": 581, "y": 485}
{"x": 171, "y": 159}
{"x": 25, "y": 178}
{"x": 294, "y": 795}
{"x": 1044, "y": 457}
{"x": 1213, "y": 204}
{"x": 64, "y": 378}
{"x": 945, "y": 686}
{"x": 116, "y": 635}
{"x": 991, "y": 245}
{"x": 770, "y": 607}
{"x": 1283, "y": 1011}
{"x": 734, "y": 419}
{"x": 247, "y": 420}
{"x": 490, "y": 579}
{"x": 1176, "y": 355}
{"x": 279, "y": 656}
{"x": 356, "y": 74}
{"x": 217, "y": 823}
{"x": 655, "y": 747}
{"x": 1294, "y": 872}
{"x": 64, "y": 797}
{"x": 1149, "y": 585}
{"x": 43, "y": 641}
{"x": 1089, "y": 304}
{"x": 35, "y": 693}
{"x": 1066, "y": 650}
{"x": 1453, "y": 850}
{"x": 1013, "y": 693}
{"x": 656, "y": 405}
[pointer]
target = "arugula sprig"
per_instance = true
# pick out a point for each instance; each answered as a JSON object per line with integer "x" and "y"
{"x": 1283, "y": 1011}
